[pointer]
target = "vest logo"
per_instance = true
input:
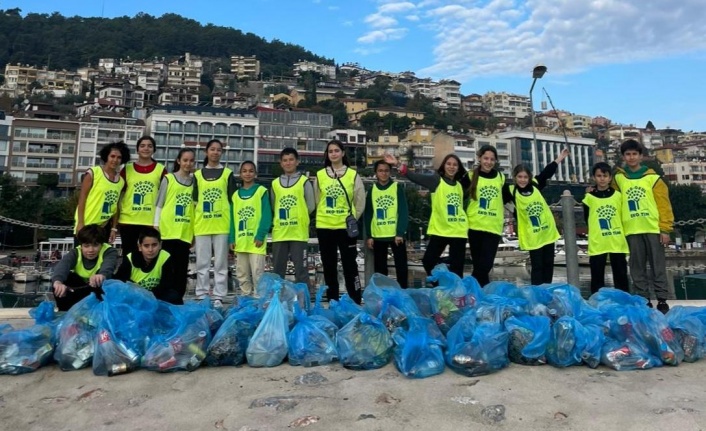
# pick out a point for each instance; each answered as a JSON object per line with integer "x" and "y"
{"x": 142, "y": 189}
{"x": 210, "y": 197}
{"x": 245, "y": 214}
{"x": 286, "y": 203}
{"x": 111, "y": 198}
{"x": 333, "y": 192}
{"x": 183, "y": 200}
{"x": 487, "y": 194}
{"x": 634, "y": 195}
{"x": 149, "y": 283}
{"x": 453, "y": 203}
{"x": 535, "y": 210}
{"x": 382, "y": 204}
{"x": 605, "y": 215}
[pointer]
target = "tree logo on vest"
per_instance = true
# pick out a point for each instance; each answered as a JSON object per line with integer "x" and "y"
{"x": 286, "y": 203}
{"x": 382, "y": 204}
{"x": 244, "y": 214}
{"x": 605, "y": 215}
{"x": 183, "y": 200}
{"x": 487, "y": 194}
{"x": 635, "y": 194}
{"x": 333, "y": 192}
{"x": 111, "y": 198}
{"x": 535, "y": 210}
{"x": 142, "y": 189}
{"x": 149, "y": 283}
{"x": 453, "y": 203}
{"x": 210, "y": 197}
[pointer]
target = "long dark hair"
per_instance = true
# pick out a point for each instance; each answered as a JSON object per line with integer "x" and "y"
{"x": 146, "y": 138}
{"x": 476, "y": 171}
{"x": 177, "y": 166}
{"x": 461, "y": 170}
{"x": 208, "y": 145}
{"x": 327, "y": 162}
{"x": 521, "y": 168}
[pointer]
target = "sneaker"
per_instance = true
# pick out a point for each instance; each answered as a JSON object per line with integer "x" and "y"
{"x": 662, "y": 306}
{"x": 649, "y": 304}
{"x": 218, "y": 304}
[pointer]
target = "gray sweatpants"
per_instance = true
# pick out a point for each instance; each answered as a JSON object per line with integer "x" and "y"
{"x": 645, "y": 248}
{"x": 282, "y": 250}
{"x": 205, "y": 247}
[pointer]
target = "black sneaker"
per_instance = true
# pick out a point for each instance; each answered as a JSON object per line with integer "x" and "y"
{"x": 649, "y": 304}
{"x": 662, "y": 306}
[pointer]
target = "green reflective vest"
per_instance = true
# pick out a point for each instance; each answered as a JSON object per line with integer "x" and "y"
{"x": 247, "y": 213}
{"x": 102, "y": 199}
{"x": 212, "y": 212}
{"x": 291, "y": 215}
{"x": 486, "y": 213}
{"x": 138, "y": 202}
{"x": 605, "y": 227}
{"x": 639, "y": 207}
{"x": 448, "y": 219}
{"x": 384, "y": 221}
{"x": 176, "y": 221}
{"x": 535, "y": 221}
{"x": 148, "y": 280}
{"x": 84, "y": 273}
{"x": 333, "y": 208}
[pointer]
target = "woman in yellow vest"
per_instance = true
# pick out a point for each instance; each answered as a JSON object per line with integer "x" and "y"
{"x": 251, "y": 220}
{"x": 83, "y": 269}
{"x": 101, "y": 187}
{"x": 213, "y": 187}
{"x": 174, "y": 215}
{"x": 150, "y": 267}
{"x": 137, "y": 206}
{"x": 485, "y": 212}
{"x": 339, "y": 192}
{"x": 536, "y": 228}
{"x": 448, "y": 225}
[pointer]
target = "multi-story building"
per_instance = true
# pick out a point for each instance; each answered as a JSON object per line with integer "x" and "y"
{"x": 125, "y": 94}
{"x": 580, "y": 124}
{"x": 245, "y": 67}
{"x": 418, "y": 144}
{"x": 576, "y": 168}
{"x": 5, "y": 138}
{"x": 328, "y": 70}
{"x": 101, "y": 128}
{"x": 506, "y": 105}
{"x": 174, "y": 127}
{"x": 386, "y": 144}
{"x": 472, "y": 104}
{"x": 448, "y": 91}
{"x": 354, "y": 118}
{"x": 43, "y": 142}
{"x": 305, "y": 131}
{"x": 503, "y": 146}
{"x": 464, "y": 149}
{"x": 177, "y": 96}
{"x": 18, "y": 77}
{"x": 185, "y": 73}
{"x": 354, "y": 142}
{"x": 686, "y": 172}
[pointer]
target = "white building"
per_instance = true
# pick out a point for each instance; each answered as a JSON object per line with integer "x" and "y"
{"x": 502, "y": 145}
{"x": 327, "y": 70}
{"x": 686, "y": 172}
{"x": 506, "y": 105}
{"x": 185, "y": 73}
{"x": 5, "y": 137}
{"x": 245, "y": 67}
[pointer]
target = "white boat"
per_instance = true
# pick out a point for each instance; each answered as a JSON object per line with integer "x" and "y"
{"x": 26, "y": 274}
{"x": 560, "y": 255}
{"x": 509, "y": 254}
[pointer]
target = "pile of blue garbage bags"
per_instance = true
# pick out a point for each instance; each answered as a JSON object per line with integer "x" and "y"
{"x": 471, "y": 330}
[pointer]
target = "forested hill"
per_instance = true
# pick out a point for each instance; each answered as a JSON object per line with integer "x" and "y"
{"x": 61, "y": 42}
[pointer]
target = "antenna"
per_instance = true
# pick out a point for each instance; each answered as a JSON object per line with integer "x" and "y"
{"x": 572, "y": 167}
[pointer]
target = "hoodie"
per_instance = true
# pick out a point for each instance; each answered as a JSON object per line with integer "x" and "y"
{"x": 660, "y": 192}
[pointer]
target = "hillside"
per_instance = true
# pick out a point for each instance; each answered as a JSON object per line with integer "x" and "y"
{"x": 61, "y": 42}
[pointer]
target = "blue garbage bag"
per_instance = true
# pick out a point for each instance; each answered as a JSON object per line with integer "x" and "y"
{"x": 269, "y": 345}
{"x": 364, "y": 343}
{"x": 572, "y": 343}
{"x": 475, "y": 350}
{"x": 205, "y": 307}
{"x": 451, "y": 298}
{"x": 422, "y": 299}
{"x": 289, "y": 294}
{"x": 529, "y": 337}
{"x": 627, "y": 355}
{"x": 182, "y": 347}
{"x": 309, "y": 344}
{"x": 320, "y": 310}
{"x": 538, "y": 297}
{"x": 231, "y": 341}
{"x": 44, "y": 314}
{"x": 77, "y": 334}
{"x": 5, "y": 328}
{"x": 396, "y": 308}
{"x": 500, "y": 288}
{"x": 418, "y": 353}
{"x": 567, "y": 301}
{"x": 25, "y": 350}
{"x": 608, "y": 296}
{"x": 378, "y": 288}
{"x": 689, "y": 331}
{"x": 345, "y": 309}
{"x": 495, "y": 309}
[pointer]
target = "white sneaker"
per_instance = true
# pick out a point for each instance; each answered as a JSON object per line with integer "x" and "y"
{"x": 217, "y": 303}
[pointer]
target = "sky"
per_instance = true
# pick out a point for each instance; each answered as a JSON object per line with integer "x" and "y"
{"x": 632, "y": 61}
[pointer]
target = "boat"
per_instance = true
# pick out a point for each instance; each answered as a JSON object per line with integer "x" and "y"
{"x": 509, "y": 254}
{"x": 560, "y": 255}
{"x": 26, "y": 274}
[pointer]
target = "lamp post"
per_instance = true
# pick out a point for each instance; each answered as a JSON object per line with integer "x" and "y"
{"x": 537, "y": 73}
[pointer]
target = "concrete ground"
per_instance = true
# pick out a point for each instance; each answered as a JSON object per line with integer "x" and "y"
{"x": 244, "y": 398}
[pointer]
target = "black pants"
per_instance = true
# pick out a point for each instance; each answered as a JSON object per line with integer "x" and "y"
{"x": 78, "y": 289}
{"x": 436, "y": 246}
{"x": 542, "y": 263}
{"x": 332, "y": 241}
{"x": 179, "y": 251}
{"x": 128, "y": 236}
{"x": 619, "y": 266}
{"x": 484, "y": 247}
{"x": 400, "y": 254}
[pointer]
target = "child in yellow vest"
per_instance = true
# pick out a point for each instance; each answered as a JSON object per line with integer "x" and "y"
{"x": 150, "y": 267}
{"x": 251, "y": 220}
{"x": 647, "y": 221}
{"x": 83, "y": 269}
{"x": 536, "y": 228}
{"x": 602, "y": 211}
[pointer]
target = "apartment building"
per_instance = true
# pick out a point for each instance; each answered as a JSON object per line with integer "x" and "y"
{"x": 178, "y": 96}
{"x": 307, "y": 132}
{"x": 245, "y": 67}
{"x": 328, "y": 70}
{"x": 448, "y": 91}
{"x": 17, "y": 78}
{"x": 577, "y": 168}
{"x": 124, "y": 94}
{"x": 59, "y": 82}
{"x": 101, "y": 128}
{"x": 418, "y": 140}
{"x": 5, "y": 138}
{"x": 502, "y": 145}
{"x": 185, "y": 73}
{"x": 174, "y": 127}
{"x": 506, "y": 105}
{"x": 354, "y": 142}
{"x": 686, "y": 172}
{"x": 386, "y": 144}
{"x": 43, "y": 142}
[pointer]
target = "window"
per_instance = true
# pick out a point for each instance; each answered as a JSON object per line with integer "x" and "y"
{"x": 86, "y": 161}
{"x": 248, "y": 142}
{"x": 88, "y": 133}
{"x": 68, "y": 149}
{"x": 67, "y": 163}
{"x": 249, "y": 130}
{"x": 206, "y": 128}
{"x": 19, "y": 147}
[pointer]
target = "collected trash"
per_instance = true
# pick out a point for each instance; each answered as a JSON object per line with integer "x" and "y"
{"x": 25, "y": 350}
{"x": 231, "y": 341}
{"x": 77, "y": 334}
{"x": 364, "y": 343}
{"x": 311, "y": 341}
{"x": 269, "y": 345}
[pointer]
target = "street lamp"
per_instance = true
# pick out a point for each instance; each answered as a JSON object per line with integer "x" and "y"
{"x": 537, "y": 73}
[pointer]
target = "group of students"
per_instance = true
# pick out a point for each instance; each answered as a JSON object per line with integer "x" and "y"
{"x": 161, "y": 215}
